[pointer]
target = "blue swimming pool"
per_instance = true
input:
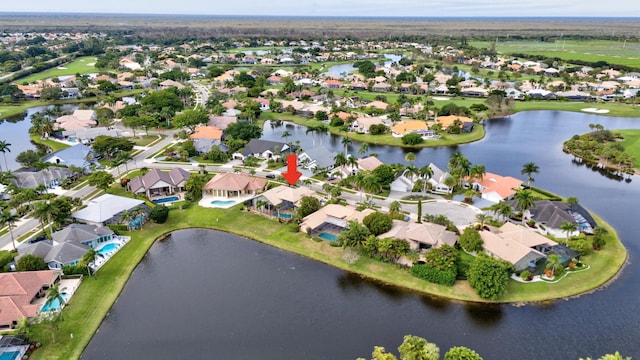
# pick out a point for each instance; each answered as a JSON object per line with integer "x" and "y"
{"x": 10, "y": 355}
{"x": 107, "y": 249}
{"x": 55, "y": 304}
{"x": 223, "y": 202}
{"x": 327, "y": 236}
{"x": 165, "y": 200}
{"x": 285, "y": 216}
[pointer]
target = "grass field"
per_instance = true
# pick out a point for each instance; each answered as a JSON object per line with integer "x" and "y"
{"x": 53, "y": 145}
{"x": 613, "y": 52}
{"x": 81, "y": 65}
{"x": 631, "y": 144}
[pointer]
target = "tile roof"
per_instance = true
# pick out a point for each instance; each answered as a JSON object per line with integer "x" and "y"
{"x": 409, "y": 126}
{"x": 235, "y": 182}
{"x": 17, "y": 290}
{"x": 293, "y": 195}
{"x": 206, "y": 132}
{"x": 424, "y": 233}
{"x": 105, "y": 207}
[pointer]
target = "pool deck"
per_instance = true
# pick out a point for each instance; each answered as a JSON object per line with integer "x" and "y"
{"x": 68, "y": 286}
{"x": 101, "y": 260}
{"x": 207, "y": 199}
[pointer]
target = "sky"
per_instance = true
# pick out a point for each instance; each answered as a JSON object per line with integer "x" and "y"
{"x": 419, "y": 8}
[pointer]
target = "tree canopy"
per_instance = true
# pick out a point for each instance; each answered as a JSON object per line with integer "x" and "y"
{"x": 489, "y": 276}
{"x": 30, "y": 262}
{"x": 378, "y": 223}
{"x": 243, "y": 131}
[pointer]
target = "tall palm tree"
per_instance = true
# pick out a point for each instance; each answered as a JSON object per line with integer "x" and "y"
{"x": 371, "y": 184}
{"x": 7, "y": 218}
{"x": 144, "y": 170}
{"x": 5, "y": 147}
{"x": 54, "y": 294}
{"x": 42, "y": 211}
{"x": 524, "y": 200}
{"x": 126, "y": 218}
{"x": 528, "y": 169}
{"x": 340, "y": 159}
{"x": 88, "y": 258}
{"x": 352, "y": 162}
{"x": 502, "y": 209}
{"x": 364, "y": 149}
{"x": 346, "y": 142}
{"x": 477, "y": 172}
{"x": 426, "y": 172}
{"x": 482, "y": 218}
{"x": 568, "y": 228}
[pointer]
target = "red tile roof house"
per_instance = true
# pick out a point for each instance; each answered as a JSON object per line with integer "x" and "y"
{"x": 496, "y": 188}
{"x": 19, "y": 291}
{"x": 232, "y": 185}
{"x": 332, "y": 84}
{"x": 159, "y": 183}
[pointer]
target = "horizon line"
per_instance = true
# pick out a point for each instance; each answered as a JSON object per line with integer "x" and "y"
{"x": 323, "y": 16}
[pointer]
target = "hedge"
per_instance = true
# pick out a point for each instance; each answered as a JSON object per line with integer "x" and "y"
{"x": 426, "y": 272}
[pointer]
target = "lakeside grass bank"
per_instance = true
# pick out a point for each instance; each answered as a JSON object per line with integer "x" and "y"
{"x": 93, "y": 299}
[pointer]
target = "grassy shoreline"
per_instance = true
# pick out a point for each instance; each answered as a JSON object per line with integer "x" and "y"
{"x": 94, "y": 298}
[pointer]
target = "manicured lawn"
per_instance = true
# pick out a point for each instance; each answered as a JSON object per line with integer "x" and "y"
{"x": 631, "y": 144}
{"x": 615, "y": 109}
{"x": 54, "y": 145}
{"x": 144, "y": 140}
{"x": 81, "y": 65}
{"x": 95, "y": 296}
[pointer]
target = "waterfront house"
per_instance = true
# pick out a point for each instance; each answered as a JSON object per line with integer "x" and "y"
{"x": 282, "y": 199}
{"x": 19, "y": 292}
{"x": 79, "y": 155}
{"x": 420, "y": 236}
{"x": 232, "y": 185}
{"x": 328, "y": 222}
{"x": 496, "y": 188}
{"x": 159, "y": 183}
{"x": 107, "y": 209}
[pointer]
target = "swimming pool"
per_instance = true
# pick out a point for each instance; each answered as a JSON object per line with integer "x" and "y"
{"x": 107, "y": 248}
{"x": 165, "y": 200}
{"x": 55, "y": 304}
{"x": 223, "y": 202}
{"x": 327, "y": 236}
{"x": 10, "y": 355}
{"x": 285, "y": 216}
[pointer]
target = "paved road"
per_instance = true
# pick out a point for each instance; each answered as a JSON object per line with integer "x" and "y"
{"x": 202, "y": 93}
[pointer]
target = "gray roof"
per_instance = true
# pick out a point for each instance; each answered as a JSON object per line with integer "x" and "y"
{"x": 80, "y": 233}
{"x": 258, "y": 146}
{"x": 105, "y": 207}
{"x": 51, "y": 251}
{"x": 204, "y": 145}
{"x": 31, "y": 178}
{"x": 550, "y": 213}
{"x": 92, "y": 133}
{"x": 74, "y": 155}
{"x": 221, "y": 122}
{"x": 322, "y": 156}
{"x": 150, "y": 179}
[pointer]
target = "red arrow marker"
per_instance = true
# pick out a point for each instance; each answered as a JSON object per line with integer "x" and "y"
{"x": 292, "y": 175}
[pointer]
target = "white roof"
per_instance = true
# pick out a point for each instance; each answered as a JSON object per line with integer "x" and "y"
{"x": 105, "y": 207}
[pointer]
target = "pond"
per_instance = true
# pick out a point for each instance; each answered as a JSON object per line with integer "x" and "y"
{"x": 345, "y": 69}
{"x": 203, "y": 292}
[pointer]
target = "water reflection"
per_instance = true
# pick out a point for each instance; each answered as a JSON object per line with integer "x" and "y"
{"x": 484, "y": 315}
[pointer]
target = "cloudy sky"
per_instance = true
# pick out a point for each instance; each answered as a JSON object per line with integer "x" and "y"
{"x": 618, "y": 8}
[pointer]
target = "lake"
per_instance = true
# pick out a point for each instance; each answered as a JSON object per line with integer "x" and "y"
{"x": 15, "y": 131}
{"x": 345, "y": 69}
{"x": 206, "y": 294}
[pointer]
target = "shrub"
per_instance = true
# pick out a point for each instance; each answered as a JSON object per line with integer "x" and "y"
{"x": 159, "y": 214}
{"x": 412, "y": 139}
{"x": 378, "y": 223}
{"x": 426, "y": 272}
{"x": 5, "y": 258}
{"x": 525, "y": 275}
{"x": 293, "y": 227}
{"x": 30, "y": 263}
{"x": 75, "y": 270}
{"x": 470, "y": 240}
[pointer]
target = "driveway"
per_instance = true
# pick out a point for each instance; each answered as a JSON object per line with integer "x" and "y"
{"x": 459, "y": 213}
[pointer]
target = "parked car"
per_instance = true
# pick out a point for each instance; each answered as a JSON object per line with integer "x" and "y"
{"x": 37, "y": 239}
{"x": 270, "y": 176}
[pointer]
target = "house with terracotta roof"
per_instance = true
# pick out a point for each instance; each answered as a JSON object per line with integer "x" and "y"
{"x": 206, "y": 132}
{"x": 159, "y": 183}
{"x": 19, "y": 292}
{"x": 380, "y": 105}
{"x": 369, "y": 163}
{"x": 80, "y": 119}
{"x": 412, "y": 126}
{"x": 171, "y": 83}
{"x": 496, "y": 188}
{"x": 328, "y": 222}
{"x": 421, "y": 236}
{"x": 332, "y": 84}
{"x": 234, "y": 185}
{"x": 446, "y": 121}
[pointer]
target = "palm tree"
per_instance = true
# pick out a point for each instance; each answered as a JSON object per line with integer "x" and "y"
{"x": 286, "y": 135}
{"x": 340, "y": 159}
{"x": 346, "y": 142}
{"x": 477, "y": 172}
{"x": 126, "y": 218}
{"x": 364, "y": 149}
{"x": 53, "y": 295}
{"x": 524, "y": 200}
{"x": 568, "y": 228}
{"x": 482, "y": 218}
{"x": 502, "y": 209}
{"x": 7, "y": 218}
{"x": 426, "y": 172}
{"x": 410, "y": 158}
{"x": 552, "y": 262}
{"x": 144, "y": 170}
{"x": 352, "y": 162}
{"x": 370, "y": 184}
{"x": 88, "y": 258}
{"x": 42, "y": 211}
{"x": 4, "y": 148}
{"x": 528, "y": 169}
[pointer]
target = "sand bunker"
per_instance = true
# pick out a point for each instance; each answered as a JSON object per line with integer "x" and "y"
{"x": 62, "y": 68}
{"x": 595, "y": 110}
{"x": 91, "y": 64}
{"x": 440, "y": 98}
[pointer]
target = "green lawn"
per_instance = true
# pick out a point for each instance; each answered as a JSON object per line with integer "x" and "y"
{"x": 631, "y": 144}
{"x": 79, "y": 65}
{"x": 613, "y": 52}
{"x": 53, "y": 145}
{"x": 93, "y": 299}
{"x": 144, "y": 140}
